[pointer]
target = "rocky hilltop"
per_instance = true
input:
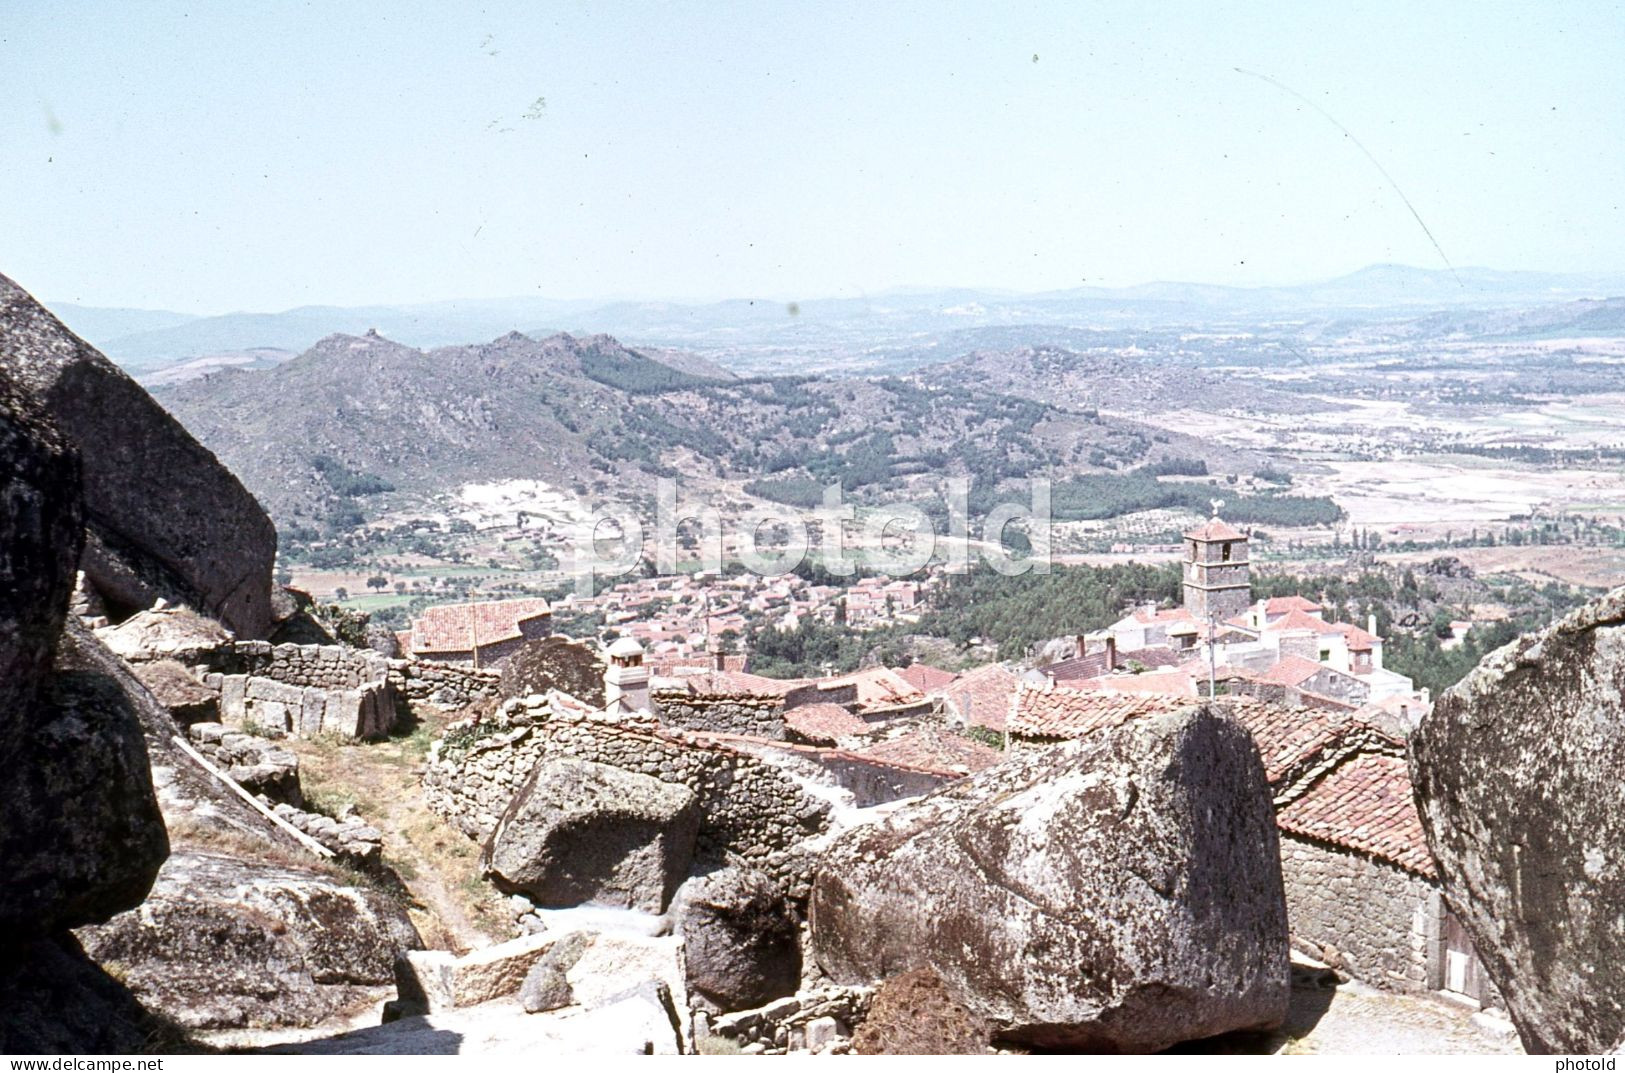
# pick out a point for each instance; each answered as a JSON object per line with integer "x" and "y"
{"x": 163, "y": 518}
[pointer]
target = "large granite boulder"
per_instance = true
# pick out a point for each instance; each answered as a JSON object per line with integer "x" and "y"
{"x": 55, "y": 1000}
{"x": 741, "y": 944}
{"x": 1117, "y": 893}
{"x": 41, "y": 532}
{"x": 224, "y": 942}
{"x": 80, "y": 833}
{"x": 1519, "y": 773}
{"x": 81, "y": 836}
{"x": 583, "y": 833}
{"x": 164, "y": 517}
{"x": 573, "y": 667}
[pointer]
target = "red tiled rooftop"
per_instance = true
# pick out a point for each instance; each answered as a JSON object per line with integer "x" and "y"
{"x": 740, "y": 683}
{"x": 982, "y": 696}
{"x": 926, "y": 678}
{"x": 1301, "y": 620}
{"x": 935, "y": 748}
{"x": 1058, "y": 712}
{"x": 459, "y": 627}
{"x": 877, "y": 687}
{"x": 1364, "y": 804}
{"x": 1291, "y": 671}
{"x": 824, "y": 724}
{"x": 1169, "y": 681}
{"x": 1358, "y": 639}
{"x": 1280, "y": 605}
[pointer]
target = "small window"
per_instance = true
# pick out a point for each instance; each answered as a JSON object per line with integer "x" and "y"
{"x": 1224, "y": 553}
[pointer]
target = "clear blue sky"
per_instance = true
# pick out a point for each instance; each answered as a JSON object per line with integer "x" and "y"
{"x": 206, "y": 158}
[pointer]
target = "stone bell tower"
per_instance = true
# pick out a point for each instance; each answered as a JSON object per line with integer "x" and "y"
{"x": 1218, "y": 581}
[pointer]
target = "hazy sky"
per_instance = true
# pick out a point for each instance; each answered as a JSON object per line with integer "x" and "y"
{"x": 232, "y": 156}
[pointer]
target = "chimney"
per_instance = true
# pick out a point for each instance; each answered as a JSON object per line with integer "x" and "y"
{"x": 1260, "y": 613}
{"x": 1371, "y": 624}
{"x": 626, "y": 679}
{"x": 1111, "y": 651}
{"x": 1082, "y": 641}
{"x": 719, "y": 661}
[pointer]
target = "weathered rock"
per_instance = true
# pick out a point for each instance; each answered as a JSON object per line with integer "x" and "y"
{"x": 741, "y": 944}
{"x": 58, "y": 1001}
{"x": 164, "y": 517}
{"x": 441, "y": 980}
{"x": 41, "y": 531}
{"x": 547, "y": 985}
{"x": 1518, "y": 772}
{"x": 81, "y": 836}
{"x": 1121, "y": 892}
{"x": 572, "y": 667}
{"x": 579, "y": 832}
{"x": 187, "y": 699}
{"x": 225, "y": 943}
{"x": 168, "y": 633}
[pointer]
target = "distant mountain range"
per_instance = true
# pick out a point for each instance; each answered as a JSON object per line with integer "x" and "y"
{"x": 360, "y": 424}
{"x": 763, "y": 335}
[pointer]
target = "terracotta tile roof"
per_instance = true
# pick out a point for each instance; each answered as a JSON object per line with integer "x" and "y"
{"x": 982, "y": 696}
{"x": 824, "y": 724}
{"x": 1169, "y": 681}
{"x": 1364, "y": 804}
{"x": 1066, "y": 670}
{"x": 458, "y": 627}
{"x": 739, "y": 684}
{"x": 934, "y": 747}
{"x": 926, "y": 678}
{"x": 1058, "y": 712}
{"x": 877, "y": 687}
{"x": 1358, "y": 639}
{"x": 1280, "y": 605}
{"x": 1300, "y": 620}
{"x": 1285, "y": 735}
{"x": 1214, "y": 529}
{"x": 1291, "y": 671}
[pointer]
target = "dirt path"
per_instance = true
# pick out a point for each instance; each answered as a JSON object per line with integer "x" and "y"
{"x": 1355, "y": 1019}
{"x": 452, "y": 909}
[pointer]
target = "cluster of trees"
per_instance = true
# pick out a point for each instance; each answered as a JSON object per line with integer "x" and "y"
{"x": 635, "y": 374}
{"x": 1028, "y": 609}
{"x": 1109, "y": 495}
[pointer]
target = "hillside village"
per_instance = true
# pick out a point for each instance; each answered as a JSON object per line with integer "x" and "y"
{"x": 1205, "y": 825}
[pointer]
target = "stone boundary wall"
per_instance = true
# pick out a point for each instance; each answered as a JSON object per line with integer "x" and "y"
{"x": 748, "y": 714}
{"x": 753, "y": 812}
{"x": 1380, "y": 921}
{"x": 875, "y": 783}
{"x": 445, "y": 685}
{"x": 314, "y": 666}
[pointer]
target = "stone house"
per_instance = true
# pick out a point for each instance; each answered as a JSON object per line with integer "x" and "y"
{"x": 482, "y": 634}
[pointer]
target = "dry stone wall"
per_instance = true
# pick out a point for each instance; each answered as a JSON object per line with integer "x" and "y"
{"x": 755, "y": 716}
{"x": 444, "y": 685}
{"x": 1380, "y": 922}
{"x": 304, "y": 690}
{"x": 753, "y": 812}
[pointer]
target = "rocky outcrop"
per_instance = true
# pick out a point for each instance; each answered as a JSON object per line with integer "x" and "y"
{"x": 224, "y": 943}
{"x": 80, "y": 833}
{"x": 81, "y": 836}
{"x": 166, "y": 633}
{"x": 538, "y": 667}
{"x": 188, "y": 700}
{"x": 741, "y": 945}
{"x": 164, "y": 518}
{"x": 1120, "y": 893}
{"x": 1518, "y": 771}
{"x": 583, "y": 833}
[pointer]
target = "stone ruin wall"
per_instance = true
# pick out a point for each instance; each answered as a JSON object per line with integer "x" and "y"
{"x": 304, "y": 690}
{"x": 753, "y": 716}
{"x": 753, "y": 812}
{"x": 1381, "y": 921}
{"x": 445, "y": 685}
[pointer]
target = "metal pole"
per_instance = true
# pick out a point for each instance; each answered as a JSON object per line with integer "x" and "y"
{"x": 1212, "y": 646}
